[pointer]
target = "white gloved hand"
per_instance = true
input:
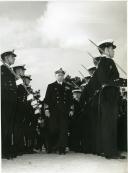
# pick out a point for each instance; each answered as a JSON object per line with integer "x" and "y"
{"x": 71, "y": 113}
{"x": 34, "y": 106}
{"x": 37, "y": 111}
{"x": 40, "y": 106}
{"x": 47, "y": 113}
{"x": 19, "y": 82}
{"x": 29, "y": 97}
{"x": 34, "y": 102}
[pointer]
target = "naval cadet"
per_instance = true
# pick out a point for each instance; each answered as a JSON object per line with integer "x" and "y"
{"x": 20, "y": 111}
{"x": 103, "y": 83}
{"x": 8, "y": 102}
{"x": 75, "y": 125}
{"x": 28, "y": 122}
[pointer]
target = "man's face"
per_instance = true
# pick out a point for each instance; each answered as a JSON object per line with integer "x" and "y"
{"x": 91, "y": 72}
{"x": 96, "y": 62}
{"x": 60, "y": 77}
{"x": 11, "y": 59}
{"x": 88, "y": 80}
{"x": 20, "y": 72}
{"x": 27, "y": 81}
{"x": 110, "y": 51}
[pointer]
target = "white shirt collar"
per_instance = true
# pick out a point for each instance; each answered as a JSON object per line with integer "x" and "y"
{"x": 104, "y": 55}
{"x": 60, "y": 82}
{"x": 7, "y": 65}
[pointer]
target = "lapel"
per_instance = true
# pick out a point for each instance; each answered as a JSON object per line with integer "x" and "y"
{"x": 10, "y": 70}
{"x": 58, "y": 87}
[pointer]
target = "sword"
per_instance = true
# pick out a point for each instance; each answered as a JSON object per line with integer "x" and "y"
{"x": 84, "y": 67}
{"x": 121, "y": 68}
{"x": 75, "y": 84}
{"x": 90, "y": 55}
{"x": 81, "y": 74}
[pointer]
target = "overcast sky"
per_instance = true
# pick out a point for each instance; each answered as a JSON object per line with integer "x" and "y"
{"x": 50, "y": 35}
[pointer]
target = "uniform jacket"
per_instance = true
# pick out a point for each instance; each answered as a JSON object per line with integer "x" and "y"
{"x": 56, "y": 94}
{"x": 106, "y": 73}
{"x": 8, "y": 81}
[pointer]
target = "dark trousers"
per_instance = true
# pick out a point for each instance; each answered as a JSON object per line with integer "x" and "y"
{"x": 19, "y": 127}
{"x": 107, "y": 121}
{"x": 8, "y": 110}
{"x": 57, "y": 128}
{"x": 122, "y": 133}
{"x": 87, "y": 130}
{"x": 19, "y": 137}
{"x": 75, "y": 135}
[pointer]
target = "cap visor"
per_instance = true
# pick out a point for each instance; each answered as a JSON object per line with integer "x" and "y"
{"x": 114, "y": 46}
{"x": 14, "y": 55}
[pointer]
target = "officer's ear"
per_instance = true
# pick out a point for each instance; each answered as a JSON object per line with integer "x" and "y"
{"x": 6, "y": 58}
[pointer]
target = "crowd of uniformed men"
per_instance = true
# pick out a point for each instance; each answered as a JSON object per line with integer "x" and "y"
{"x": 87, "y": 115}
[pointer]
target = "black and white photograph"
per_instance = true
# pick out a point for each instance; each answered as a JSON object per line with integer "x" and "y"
{"x": 63, "y": 86}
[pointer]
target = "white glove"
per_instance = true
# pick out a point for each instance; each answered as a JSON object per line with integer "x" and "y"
{"x": 34, "y": 106}
{"x": 47, "y": 113}
{"x": 39, "y": 121}
{"x": 71, "y": 113}
{"x": 37, "y": 111}
{"x": 29, "y": 97}
{"x": 19, "y": 82}
{"x": 34, "y": 102}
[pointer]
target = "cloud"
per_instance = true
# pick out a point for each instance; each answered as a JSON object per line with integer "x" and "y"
{"x": 17, "y": 34}
{"x": 64, "y": 25}
{"x": 61, "y": 25}
{"x": 59, "y": 37}
{"x": 69, "y": 25}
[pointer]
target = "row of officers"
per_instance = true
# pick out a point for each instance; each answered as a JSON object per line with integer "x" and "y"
{"x": 19, "y": 105}
{"x": 88, "y": 120}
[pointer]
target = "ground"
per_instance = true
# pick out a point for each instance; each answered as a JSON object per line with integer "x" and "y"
{"x": 69, "y": 163}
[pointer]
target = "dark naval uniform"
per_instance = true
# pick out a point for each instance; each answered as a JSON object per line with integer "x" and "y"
{"x": 21, "y": 111}
{"x": 75, "y": 128}
{"x": 89, "y": 112}
{"x": 103, "y": 96}
{"x": 122, "y": 125}
{"x": 58, "y": 101}
{"x": 8, "y": 108}
{"x": 103, "y": 81}
{"x": 28, "y": 126}
{"x": 108, "y": 107}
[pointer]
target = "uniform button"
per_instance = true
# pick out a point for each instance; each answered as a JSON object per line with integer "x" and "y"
{"x": 110, "y": 67}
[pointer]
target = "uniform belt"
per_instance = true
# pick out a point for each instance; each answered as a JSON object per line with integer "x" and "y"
{"x": 102, "y": 87}
{"x": 108, "y": 85}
